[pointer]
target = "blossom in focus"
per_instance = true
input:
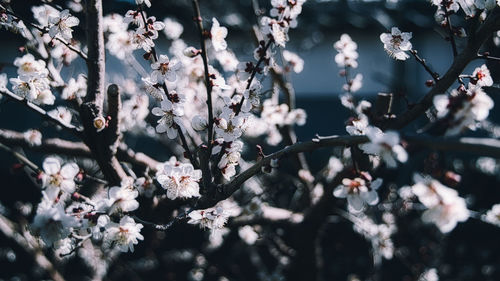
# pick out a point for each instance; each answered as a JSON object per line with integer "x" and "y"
{"x": 482, "y": 77}
{"x": 358, "y": 191}
{"x": 59, "y": 176}
{"x": 170, "y": 118}
{"x": 62, "y": 25}
{"x": 180, "y": 181}
{"x": 125, "y": 234}
{"x": 211, "y": 218}
{"x": 164, "y": 69}
{"x": 122, "y": 198}
{"x": 397, "y": 43}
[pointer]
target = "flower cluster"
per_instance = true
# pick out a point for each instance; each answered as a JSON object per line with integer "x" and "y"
{"x": 180, "y": 180}
{"x": 32, "y": 82}
{"x": 464, "y": 107}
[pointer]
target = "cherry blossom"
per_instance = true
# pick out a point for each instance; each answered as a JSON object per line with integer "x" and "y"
{"x": 180, "y": 181}
{"x": 170, "y": 118}
{"x": 164, "y": 69}
{"x": 218, "y": 35}
{"x": 358, "y": 191}
{"x": 62, "y": 24}
{"x": 397, "y": 43}
{"x": 125, "y": 234}
{"x": 59, "y": 176}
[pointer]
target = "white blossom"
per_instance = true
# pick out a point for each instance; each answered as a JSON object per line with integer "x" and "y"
{"x": 59, "y": 176}
{"x": 180, "y": 181}
{"x": 125, "y": 234}
{"x": 445, "y": 207}
{"x": 248, "y": 234}
{"x": 397, "y": 43}
{"x": 482, "y": 76}
{"x": 62, "y": 25}
{"x": 359, "y": 192}
{"x": 386, "y": 145}
{"x": 218, "y": 34}
{"x": 75, "y": 88}
{"x": 164, "y": 69}
{"x": 122, "y": 198}
{"x": 173, "y": 29}
{"x": 52, "y": 223}
{"x": 170, "y": 118}
{"x": 347, "y": 52}
{"x": 33, "y": 137}
{"x": 211, "y": 218}
{"x": 493, "y": 215}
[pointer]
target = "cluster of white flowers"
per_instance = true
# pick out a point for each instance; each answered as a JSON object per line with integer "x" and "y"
{"x": 180, "y": 180}
{"x": 283, "y": 17}
{"x": 347, "y": 52}
{"x": 346, "y": 58}
{"x": 464, "y": 107}
{"x": 470, "y": 7}
{"x": 230, "y": 157}
{"x": 359, "y": 191}
{"x": 32, "y": 82}
{"x": 64, "y": 217}
{"x": 445, "y": 207}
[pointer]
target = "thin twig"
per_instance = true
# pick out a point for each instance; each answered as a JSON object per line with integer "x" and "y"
{"x": 77, "y": 131}
{"x": 433, "y": 74}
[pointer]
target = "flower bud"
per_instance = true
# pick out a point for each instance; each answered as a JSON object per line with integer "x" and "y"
{"x": 99, "y": 123}
{"x": 191, "y": 52}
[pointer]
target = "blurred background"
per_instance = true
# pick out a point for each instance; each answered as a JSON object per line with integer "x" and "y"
{"x": 471, "y": 252}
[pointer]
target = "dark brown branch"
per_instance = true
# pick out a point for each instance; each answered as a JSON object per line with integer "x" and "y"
{"x": 477, "y": 146}
{"x": 114, "y": 107}
{"x": 231, "y": 187}
{"x": 99, "y": 142}
{"x": 77, "y": 149}
{"x": 450, "y": 31}
{"x": 420, "y": 60}
{"x": 491, "y": 24}
{"x": 52, "y": 145}
{"x": 208, "y": 84}
{"x": 21, "y": 158}
{"x": 8, "y": 229}
{"x": 96, "y": 60}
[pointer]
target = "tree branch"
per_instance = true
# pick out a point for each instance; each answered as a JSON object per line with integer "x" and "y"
{"x": 77, "y": 131}
{"x": 96, "y": 60}
{"x": 491, "y": 24}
